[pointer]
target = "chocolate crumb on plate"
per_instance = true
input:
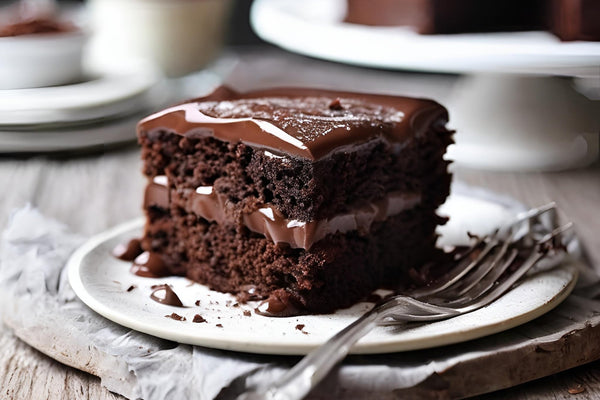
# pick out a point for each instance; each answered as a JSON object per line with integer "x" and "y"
{"x": 199, "y": 319}
{"x": 300, "y": 327}
{"x": 576, "y": 389}
{"x": 219, "y": 325}
{"x": 247, "y": 313}
{"x": 130, "y": 288}
{"x": 176, "y": 317}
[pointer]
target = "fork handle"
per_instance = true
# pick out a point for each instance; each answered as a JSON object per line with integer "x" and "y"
{"x": 298, "y": 381}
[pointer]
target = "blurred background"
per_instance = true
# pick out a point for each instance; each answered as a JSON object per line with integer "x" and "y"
{"x": 127, "y": 58}
{"x": 76, "y": 77}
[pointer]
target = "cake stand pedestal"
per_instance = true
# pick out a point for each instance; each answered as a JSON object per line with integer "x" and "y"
{"x": 522, "y": 122}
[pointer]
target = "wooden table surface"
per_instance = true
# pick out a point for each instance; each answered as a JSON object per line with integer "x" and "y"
{"x": 91, "y": 192}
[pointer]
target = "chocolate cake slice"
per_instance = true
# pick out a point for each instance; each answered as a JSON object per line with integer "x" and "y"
{"x": 450, "y": 16}
{"x": 311, "y": 197}
{"x": 567, "y": 19}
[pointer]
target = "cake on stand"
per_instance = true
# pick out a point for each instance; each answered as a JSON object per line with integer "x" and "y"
{"x": 515, "y": 108}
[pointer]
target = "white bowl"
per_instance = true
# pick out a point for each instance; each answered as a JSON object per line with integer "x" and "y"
{"x": 39, "y": 60}
{"x": 179, "y": 36}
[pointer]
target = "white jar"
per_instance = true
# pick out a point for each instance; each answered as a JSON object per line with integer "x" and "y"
{"x": 180, "y": 36}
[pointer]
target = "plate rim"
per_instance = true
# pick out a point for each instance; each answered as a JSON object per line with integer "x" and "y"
{"x": 231, "y": 340}
{"x": 104, "y": 96}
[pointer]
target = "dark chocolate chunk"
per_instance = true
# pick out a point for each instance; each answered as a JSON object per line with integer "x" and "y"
{"x": 165, "y": 295}
{"x": 199, "y": 319}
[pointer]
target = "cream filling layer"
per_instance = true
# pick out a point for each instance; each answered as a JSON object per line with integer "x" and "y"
{"x": 268, "y": 221}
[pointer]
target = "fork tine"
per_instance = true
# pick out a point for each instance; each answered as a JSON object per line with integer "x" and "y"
{"x": 457, "y": 297}
{"x": 465, "y": 265}
{"x": 537, "y": 252}
{"x": 487, "y": 273}
{"x": 485, "y": 284}
{"x": 534, "y": 212}
{"x": 479, "y": 274}
{"x": 433, "y": 309}
{"x": 457, "y": 273}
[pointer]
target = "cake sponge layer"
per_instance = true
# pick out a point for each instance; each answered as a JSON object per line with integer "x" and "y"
{"x": 335, "y": 273}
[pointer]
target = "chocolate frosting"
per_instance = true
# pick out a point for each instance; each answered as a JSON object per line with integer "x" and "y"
{"x": 269, "y": 222}
{"x": 306, "y": 123}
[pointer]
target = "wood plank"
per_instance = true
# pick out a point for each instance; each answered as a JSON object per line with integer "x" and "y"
{"x": 27, "y": 374}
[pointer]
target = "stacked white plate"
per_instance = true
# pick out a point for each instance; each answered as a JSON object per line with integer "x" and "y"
{"x": 103, "y": 109}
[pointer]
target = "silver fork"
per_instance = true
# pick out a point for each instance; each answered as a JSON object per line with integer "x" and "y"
{"x": 476, "y": 281}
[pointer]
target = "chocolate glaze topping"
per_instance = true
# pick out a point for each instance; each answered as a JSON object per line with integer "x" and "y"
{"x": 165, "y": 295}
{"x": 269, "y": 222}
{"x": 305, "y": 123}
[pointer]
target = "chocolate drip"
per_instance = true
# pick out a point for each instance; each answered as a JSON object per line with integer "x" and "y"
{"x": 279, "y": 304}
{"x": 150, "y": 265}
{"x": 129, "y": 251}
{"x": 298, "y": 122}
{"x": 170, "y": 297}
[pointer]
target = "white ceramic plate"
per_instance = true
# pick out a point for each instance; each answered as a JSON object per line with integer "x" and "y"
{"x": 315, "y": 28}
{"x": 115, "y": 132}
{"x": 101, "y": 281}
{"x": 124, "y": 89}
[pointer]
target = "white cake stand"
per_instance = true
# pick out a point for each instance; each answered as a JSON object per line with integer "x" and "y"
{"x": 513, "y": 110}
